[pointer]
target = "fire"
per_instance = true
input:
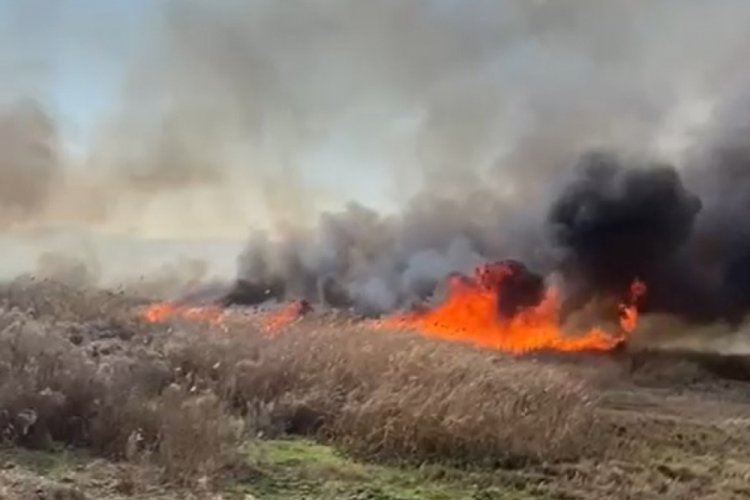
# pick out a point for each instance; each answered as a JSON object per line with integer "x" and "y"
{"x": 269, "y": 322}
{"x": 163, "y": 311}
{"x": 288, "y": 313}
{"x": 470, "y": 313}
{"x": 629, "y": 309}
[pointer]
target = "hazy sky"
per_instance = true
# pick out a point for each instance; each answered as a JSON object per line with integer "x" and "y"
{"x": 65, "y": 53}
{"x": 76, "y": 56}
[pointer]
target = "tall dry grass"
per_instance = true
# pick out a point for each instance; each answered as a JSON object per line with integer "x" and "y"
{"x": 124, "y": 403}
{"x": 184, "y": 395}
{"x": 392, "y": 394}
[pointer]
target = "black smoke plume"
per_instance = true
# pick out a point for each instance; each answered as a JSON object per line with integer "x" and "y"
{"x": 517, "y": 287}
{"x": 722, "y": 176}
{"x": 616, "y": 223}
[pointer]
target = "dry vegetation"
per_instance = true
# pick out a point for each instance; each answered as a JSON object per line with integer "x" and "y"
{"x": 78, "y": 369}
{"x": 391, "y": 395}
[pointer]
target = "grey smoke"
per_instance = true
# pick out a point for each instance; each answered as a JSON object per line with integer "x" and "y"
{"x": 446, "y": 95}
{"x": 467, "y": 114}
{"x": 502, "y": 99}
{"x": 29, "y": 161}
{"x": 377, "y": 263}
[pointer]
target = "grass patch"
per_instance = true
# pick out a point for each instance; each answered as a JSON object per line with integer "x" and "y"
{"x": 44, "y": 463}
{"x": 300, "y": 468}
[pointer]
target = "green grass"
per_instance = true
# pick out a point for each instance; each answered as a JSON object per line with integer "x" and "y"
{"x": 297, "y": 469}
{"x": 301, "y": 469}
{"x": 50, "y": 463}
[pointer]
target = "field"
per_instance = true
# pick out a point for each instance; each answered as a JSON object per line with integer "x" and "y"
{"x": 96, "y": 403}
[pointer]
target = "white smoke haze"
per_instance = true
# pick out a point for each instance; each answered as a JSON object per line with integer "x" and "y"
{"x": 455, "y": 119}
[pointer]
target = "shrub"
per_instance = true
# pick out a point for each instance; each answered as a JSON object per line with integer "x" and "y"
{"x": 48, "y": 390}
{"x": 52, "y": 390}
{"x": 196, "y": 436}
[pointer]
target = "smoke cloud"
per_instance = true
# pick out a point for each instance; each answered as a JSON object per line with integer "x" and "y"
{"x": 619, "y": 222}
{"x": 376, "y": 263}
{"x": 465, "y": 126}
{"x": 29, "y": 163}
{"x": 720, "y": 173}
{"x": 236, "y": 107}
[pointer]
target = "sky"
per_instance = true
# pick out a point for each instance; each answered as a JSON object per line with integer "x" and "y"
{"x": 76, "y": 78}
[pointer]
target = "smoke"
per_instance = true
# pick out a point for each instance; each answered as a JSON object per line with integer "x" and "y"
{"x": 235, "y": 108}
{"x": 376, "y": 263}
{"x": 683, "y": 231}
{"x": 618, "y": 222}
{"x": 67, "y": 269}
{"x": 517, "y": 288}
{"x": 460, "y": 123}
{"x": 720, "y": 172}
{"x": 498, "y": 117}
{"x": 29, "y": 161}
{"x": 615, "y": 219}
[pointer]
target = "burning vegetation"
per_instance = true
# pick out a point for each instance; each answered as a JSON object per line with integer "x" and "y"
{"x": 437, "y": 349}
{"x": 619, "y": 241}
{"x": 485, "y": 310}
{"x": 339, "y": 333}
{"x": 190, "y": 390}
{"x": 503, "y": 306}
{"x": 506, "y": 317}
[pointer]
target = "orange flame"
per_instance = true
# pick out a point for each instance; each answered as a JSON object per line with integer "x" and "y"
{"x": 629, "y": 309}
{"x": 470, "y": 313}
{"x": 270, "y": 322}
{"x": 285, "y": 315}
{"x": 163, "y": 311}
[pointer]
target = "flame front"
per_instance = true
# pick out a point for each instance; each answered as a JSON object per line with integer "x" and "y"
{"x": 629, "y": 309}
{"x": 470, "y": 313}
{"x": 269, "y": 322}
{"x": 163, "y": 311}
{"x": 285, "y": 315}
